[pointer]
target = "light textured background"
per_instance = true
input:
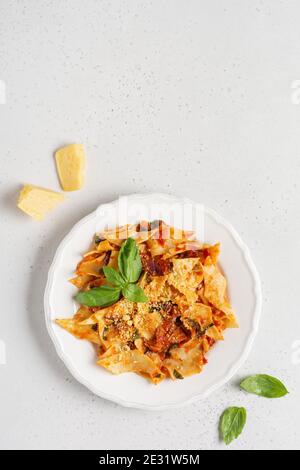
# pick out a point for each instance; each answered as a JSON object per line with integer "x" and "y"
{"x": 193, "y": 98}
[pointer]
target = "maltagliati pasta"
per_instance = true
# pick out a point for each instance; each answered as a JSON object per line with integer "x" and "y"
{"x": 159, "y": 314}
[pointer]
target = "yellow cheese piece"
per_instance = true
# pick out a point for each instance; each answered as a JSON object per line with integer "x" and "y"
{"x": 36, "y": 201}
{"x": 70, "y": 162}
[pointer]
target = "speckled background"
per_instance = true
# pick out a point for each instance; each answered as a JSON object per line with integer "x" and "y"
{"x": 195, "y": 98}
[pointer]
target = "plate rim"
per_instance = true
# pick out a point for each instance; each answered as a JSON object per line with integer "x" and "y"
{"x": 195, "y": 397}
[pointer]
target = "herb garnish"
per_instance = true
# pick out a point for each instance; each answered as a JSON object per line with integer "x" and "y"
{"x": 123, "y": 282}
{"x": 197, "y": 327}
{"x": 233, "y": 419}
{"x": 232, "y": 423}
{"x": 264, "y": 386}
{"x": 136, "y": 335}
{"x": 105, "y": 333}
{"x": 177, "y": 375}
{"x": 98, "y": 239}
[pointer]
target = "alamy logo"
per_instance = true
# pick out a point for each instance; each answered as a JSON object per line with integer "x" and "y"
{"x": 2, "y": 92}
{"x": 296, "y": 353}
{"x": 295, "y": 95}
{"x": 2, "y": 353}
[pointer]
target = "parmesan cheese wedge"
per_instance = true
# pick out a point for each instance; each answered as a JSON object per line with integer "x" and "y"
{"x": 36, "y": 201}
{"x": 70, "y": 163}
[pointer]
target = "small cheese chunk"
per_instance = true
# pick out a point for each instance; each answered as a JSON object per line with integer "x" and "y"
{"x": 36, "y": 201}
{"x": 70, "y": 162}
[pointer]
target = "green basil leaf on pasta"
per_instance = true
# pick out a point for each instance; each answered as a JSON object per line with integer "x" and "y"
{"x": 129, "y": 261}
{"x": 134, "y": 293}
{"x": 113, "y": 276}
{"x": 102, "y": 296}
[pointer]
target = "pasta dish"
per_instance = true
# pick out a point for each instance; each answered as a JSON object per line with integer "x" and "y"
{"x": 153, "y": 301}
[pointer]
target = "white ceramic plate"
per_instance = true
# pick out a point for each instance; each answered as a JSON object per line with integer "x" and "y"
{"x": 223, "y": 360}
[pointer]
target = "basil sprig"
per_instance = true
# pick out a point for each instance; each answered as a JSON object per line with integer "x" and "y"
{"x": 113, "y": 276}
{"x": 264, "y": 386}
{"x": 129, "y": 261}
{"x": 134, "y": 293}
{"x": 123, "y": 282}
{"x": 102, "y": 296}
{"x": 232, "y": 423}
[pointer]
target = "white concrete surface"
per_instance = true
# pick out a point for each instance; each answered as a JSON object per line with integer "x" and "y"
{"x": 194, "y": 98}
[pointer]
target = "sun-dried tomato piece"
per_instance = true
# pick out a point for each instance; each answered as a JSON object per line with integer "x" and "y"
{"x": 190, "y": 254}
{"x": 210, "y": 341}
{"x": 106, "y": 258}
{"x": 156, "y": 266}
{"x": 167, "y": 333}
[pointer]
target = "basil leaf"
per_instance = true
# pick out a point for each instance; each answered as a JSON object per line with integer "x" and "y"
{"x": 102, "y": 296}
{"x": 134, "y": 293}
{"x": 177, "y": 375}
{"x": 105, "y": 333}
{"x": 264, "y": 386}
{"x": 98, "y": 239}
{"x": 113, "y": 276}
{"x": 232, "y": 423}
{"x": 129, "y": 261}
